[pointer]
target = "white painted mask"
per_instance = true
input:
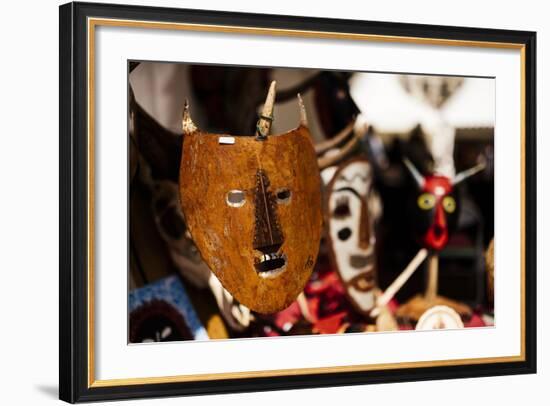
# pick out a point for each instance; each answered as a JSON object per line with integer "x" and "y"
{"x": 351, "y": 231}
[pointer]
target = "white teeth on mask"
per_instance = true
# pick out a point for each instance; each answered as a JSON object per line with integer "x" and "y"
{"x": 268, "y": 257}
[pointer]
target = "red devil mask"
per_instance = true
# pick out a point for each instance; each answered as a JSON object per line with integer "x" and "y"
{"x": 436, "y": 206}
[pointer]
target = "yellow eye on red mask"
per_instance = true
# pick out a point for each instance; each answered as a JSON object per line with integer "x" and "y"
{"x": 449, "y": 204}
{"x": 426, "y": 201}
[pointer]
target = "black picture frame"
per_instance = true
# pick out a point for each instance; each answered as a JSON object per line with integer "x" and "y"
{"x": 73, "y": 284}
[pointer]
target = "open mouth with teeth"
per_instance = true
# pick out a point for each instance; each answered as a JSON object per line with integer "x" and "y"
{"x": 269, "y": 265}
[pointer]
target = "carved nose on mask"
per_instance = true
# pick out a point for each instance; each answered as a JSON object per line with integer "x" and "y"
{"x": 364, "y": 226}
{"x": 440, "y": 221}
{"x": 268, "y": 236}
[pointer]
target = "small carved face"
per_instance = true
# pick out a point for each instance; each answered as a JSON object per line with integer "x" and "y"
{"x": 173, "y": 230}
{"x": 253, "y": 208}
{"x": 436, "y": 212}
{"x": 351, "y": 234}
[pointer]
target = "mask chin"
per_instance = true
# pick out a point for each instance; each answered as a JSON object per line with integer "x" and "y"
{"x": 357, "y": 273}
{"x": 365, "y": 301}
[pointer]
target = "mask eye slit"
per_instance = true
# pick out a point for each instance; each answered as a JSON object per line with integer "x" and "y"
{"x": 283, "y": 195}
{"x": 449, "y": 204}
{"x": 342, "y": 209}
{"x": 235, "y": 198}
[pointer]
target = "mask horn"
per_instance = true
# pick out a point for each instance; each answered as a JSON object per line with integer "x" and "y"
{"x": 419, "y": 179}
{"x": 303, "y": 114}
{"x": 462, "y": 176}
{"x": 187, "y": 124}
{"x": 266, "y": 117}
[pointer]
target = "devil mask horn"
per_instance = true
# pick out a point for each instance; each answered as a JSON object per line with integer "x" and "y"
{"x": 187, "y": 124}
{"x": 266, "y": 117}
{"x": 462, "y": 176}
{"x": 418, "y": 178}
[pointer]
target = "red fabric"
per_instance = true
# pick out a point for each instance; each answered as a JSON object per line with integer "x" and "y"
{"x": 475, "y": 321}
{"x": 327, "y": 303}
{"x": 331, "y": 311}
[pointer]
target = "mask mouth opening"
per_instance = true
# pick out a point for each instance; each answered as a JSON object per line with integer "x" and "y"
{"x": 360, "y": 261}
{"x": 270, "y": 265}
{"x": 438, "y": 231}
{"x": 364, "y": 282}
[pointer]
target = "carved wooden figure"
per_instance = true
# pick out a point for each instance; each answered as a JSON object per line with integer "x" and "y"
{"x": 435, "y": 212}
{"x": 350, "y": 229}
{"x": 253, "y": 208}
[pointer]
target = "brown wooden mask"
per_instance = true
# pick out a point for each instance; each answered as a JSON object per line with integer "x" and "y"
{"x": 253, "y": 208}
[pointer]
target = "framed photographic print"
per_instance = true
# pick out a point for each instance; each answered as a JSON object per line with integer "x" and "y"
{"x": 254, "y": 202}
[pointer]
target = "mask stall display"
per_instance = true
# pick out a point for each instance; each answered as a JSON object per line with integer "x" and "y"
{"x": 249, "y": 204}
{"x": 253, "y": 207}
